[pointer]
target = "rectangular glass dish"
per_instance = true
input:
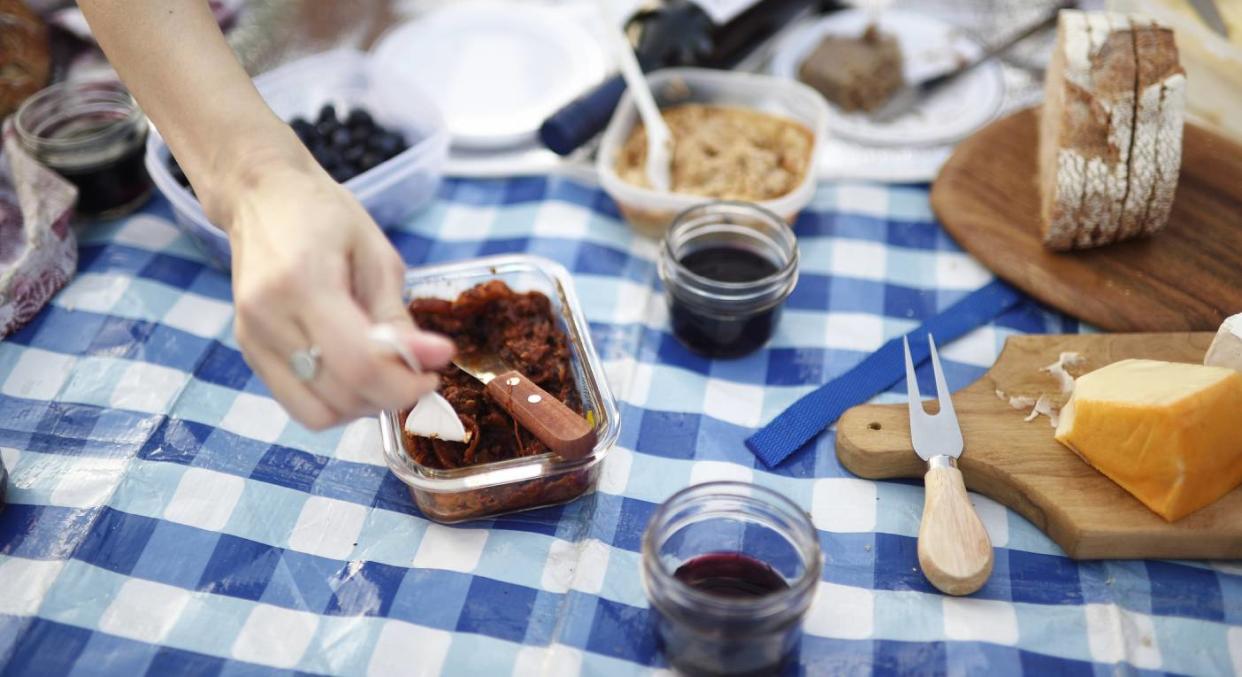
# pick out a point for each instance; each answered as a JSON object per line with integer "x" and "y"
{"x": 524, "y": 483}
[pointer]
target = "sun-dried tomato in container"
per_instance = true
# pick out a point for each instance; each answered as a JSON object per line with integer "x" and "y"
{"x": 523, "y": 308}
{"x": 491, "y": 318}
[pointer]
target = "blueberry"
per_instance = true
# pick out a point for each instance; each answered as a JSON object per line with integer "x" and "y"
{"x": 325, "y": 128}
{"x": 327, "y": 113}
{"x": 359, "y": 118}
{"x": 303, "y": 129}
{"x": 341, "y": 174}
{"x": 361, "y": 136}
{"x": 388, "y": 144}
{"x": 369, "y": 160}
{"x": 340, "y": 137}
{"x": 329, "y": 158}
{"x": 353, "y": 154}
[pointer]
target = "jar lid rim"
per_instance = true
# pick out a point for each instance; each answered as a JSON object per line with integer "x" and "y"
{"x": 771, "y": 603}
{"x": 784, "y": 271}
{"x": 105, "y": 91}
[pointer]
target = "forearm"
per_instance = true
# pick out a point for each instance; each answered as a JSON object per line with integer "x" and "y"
{"x": 173, "y": 58}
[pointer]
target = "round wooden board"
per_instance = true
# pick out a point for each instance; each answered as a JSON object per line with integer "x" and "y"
{"x": 1188, "y": 277}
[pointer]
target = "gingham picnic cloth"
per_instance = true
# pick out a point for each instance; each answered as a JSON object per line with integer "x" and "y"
{"x": 166, "y": 517}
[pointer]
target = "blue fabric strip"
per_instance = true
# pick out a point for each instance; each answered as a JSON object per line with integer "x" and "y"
{"x": 819, "y": 409}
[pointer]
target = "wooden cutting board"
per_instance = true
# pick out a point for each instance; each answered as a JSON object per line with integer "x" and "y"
{"x": 1019, "y": 464}
{"x": 1188, "y": 277}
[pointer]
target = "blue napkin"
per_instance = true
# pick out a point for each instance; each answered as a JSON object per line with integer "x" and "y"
{"x": 819, "y": 409}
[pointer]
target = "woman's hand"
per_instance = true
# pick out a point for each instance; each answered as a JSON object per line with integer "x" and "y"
{"x": 312, "y": 269}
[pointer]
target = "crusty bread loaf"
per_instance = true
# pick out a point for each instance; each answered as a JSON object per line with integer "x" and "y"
{"x": 1156, "y": 153}
{"x": 1062, "y": 175}
{"x": 1111, "y": 73}
{"x": 1146, "y": 129}
{"x": 1157, "y": 52}
{"x": 1110, "y": 133}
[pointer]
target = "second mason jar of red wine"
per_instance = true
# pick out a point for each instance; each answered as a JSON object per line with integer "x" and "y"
{"x": 730, "y": 570}
{"x": 93, "y": 134}
{"x": 727, "y": 267}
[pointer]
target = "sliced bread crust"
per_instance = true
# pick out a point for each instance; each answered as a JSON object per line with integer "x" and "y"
{"x": 1156, "y": 158}
{"x": 1062, "y": 174}
{"x": 1086, "y": 129}
{"x": 1106, "y": 145}
{"x": 1170, "y": 122}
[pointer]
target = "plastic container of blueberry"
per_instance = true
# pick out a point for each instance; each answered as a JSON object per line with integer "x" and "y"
{"x": 345, "y": 80}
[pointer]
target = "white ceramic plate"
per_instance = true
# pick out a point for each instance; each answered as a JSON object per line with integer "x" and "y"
{"x": 495, "y": 70}
{"x": 929, "y": 46}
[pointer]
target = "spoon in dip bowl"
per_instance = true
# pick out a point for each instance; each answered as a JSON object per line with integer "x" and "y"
{"x": 432, "y": 416}
{"x": 659, "y": 138}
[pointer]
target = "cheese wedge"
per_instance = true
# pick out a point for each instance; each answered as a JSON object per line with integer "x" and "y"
{"x": 1167, "y": 432}
{"x": 1226, "y": 348}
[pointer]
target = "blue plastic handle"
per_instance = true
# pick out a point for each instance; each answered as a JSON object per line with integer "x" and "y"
{"x": 581, "y": 119}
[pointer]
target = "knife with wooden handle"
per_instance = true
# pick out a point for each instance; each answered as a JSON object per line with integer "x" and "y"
{"x": 566, "y": 433}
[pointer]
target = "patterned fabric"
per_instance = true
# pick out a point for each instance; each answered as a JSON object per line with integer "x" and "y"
{"x": 38, "y": 252}
{"x": 165, "y": 517}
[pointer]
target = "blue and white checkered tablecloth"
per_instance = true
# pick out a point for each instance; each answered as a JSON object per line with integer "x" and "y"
{"x": 166, "y": 517}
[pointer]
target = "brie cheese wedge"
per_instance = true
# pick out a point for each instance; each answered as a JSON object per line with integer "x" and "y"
{"x": 1226, "y": 349}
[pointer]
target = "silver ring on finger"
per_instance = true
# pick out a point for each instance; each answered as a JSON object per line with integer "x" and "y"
{"x": 305, "y": 363}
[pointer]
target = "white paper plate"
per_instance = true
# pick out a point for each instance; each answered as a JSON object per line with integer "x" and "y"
{"x": 929, "y": 46}
{"x": 496, "y": 70}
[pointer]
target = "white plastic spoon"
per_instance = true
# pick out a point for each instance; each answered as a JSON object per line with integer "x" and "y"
{"x": 659, "y": 138}
{"x": 432, "y": 416}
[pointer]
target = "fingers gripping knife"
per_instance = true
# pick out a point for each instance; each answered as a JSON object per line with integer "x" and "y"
{"x": 954, "y": 549}
{"x": 565, "y": 432}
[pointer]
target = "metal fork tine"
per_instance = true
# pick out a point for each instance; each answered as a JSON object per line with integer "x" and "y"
{"x": 942, "y": 389}
{"x": 912, "y": 385}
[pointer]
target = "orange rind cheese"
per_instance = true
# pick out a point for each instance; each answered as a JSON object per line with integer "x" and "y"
{"x": 1167, "y": 432}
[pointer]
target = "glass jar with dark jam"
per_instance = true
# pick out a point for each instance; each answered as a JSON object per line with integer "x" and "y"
{"x": 93, "y": 134}
{"x": 730, "y": 569}
{"x": 727, "y": 267}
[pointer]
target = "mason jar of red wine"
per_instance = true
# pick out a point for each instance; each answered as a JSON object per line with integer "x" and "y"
{"x": 730, "y": 570}
{"x": 727, "y": 268}
{"x": 93, "y": 134}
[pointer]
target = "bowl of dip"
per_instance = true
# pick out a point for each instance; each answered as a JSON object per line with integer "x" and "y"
{"x": 737, "y": 136}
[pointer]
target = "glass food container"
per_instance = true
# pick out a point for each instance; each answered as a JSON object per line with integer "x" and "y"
{"x": 730, "y": 569}
{"x": 491, "y": 489}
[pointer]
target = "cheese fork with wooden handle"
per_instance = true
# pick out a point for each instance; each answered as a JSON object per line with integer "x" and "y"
{"x": 954, "y": 549}
{"x": 565, "y": 432}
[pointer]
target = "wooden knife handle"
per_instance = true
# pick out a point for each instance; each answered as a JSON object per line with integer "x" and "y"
{"x": 547, "y": 418}
{"x": 954, "y": 549}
